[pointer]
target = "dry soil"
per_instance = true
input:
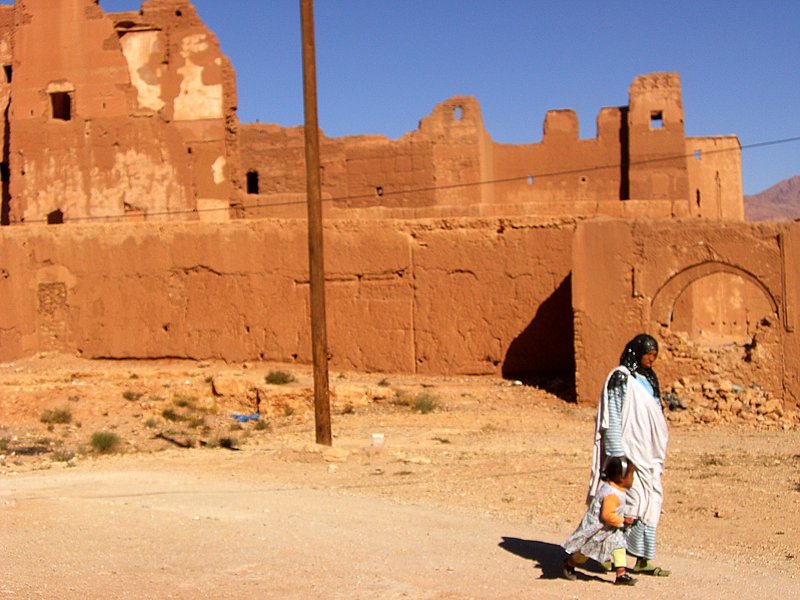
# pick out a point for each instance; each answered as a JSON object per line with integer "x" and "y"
{"x": 477, "y": 482}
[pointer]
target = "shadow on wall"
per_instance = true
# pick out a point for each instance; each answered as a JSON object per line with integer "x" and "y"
{"x": 543, "y": 355}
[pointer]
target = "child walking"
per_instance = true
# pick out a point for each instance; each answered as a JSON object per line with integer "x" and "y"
{"x": 599, "y": 535}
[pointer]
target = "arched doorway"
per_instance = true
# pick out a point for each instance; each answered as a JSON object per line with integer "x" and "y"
{"x": 720, "y": 308}
{"x": 719, "y": 318}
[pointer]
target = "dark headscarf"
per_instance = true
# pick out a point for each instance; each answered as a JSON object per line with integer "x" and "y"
{"x": 632, "y": 358}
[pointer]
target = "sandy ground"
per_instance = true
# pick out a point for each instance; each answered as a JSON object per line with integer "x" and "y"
{"x": 469, "y": 500}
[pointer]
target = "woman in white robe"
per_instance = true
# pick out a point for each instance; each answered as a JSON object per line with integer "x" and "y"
{"x": 631, "y": 424}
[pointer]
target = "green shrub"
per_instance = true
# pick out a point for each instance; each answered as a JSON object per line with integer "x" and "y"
{"x": 56, "y": 415}
{"x": 279, "y": 377}
{"x": 424, "y": 403}
{"x": 105, "y": 442}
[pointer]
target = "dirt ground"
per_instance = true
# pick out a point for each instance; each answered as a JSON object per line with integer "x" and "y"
{"x": 463, "y": 461}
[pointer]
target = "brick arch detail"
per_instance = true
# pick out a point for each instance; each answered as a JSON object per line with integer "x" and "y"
{"x": 664, "y": 299}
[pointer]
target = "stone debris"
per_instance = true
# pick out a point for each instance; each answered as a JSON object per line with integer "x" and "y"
{"x": 722, "y": 386}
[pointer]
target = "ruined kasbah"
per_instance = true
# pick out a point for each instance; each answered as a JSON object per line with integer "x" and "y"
{"x": 143, "y": 220}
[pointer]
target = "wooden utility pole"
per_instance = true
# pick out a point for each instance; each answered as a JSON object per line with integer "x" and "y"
{"x": 316, "y": 264}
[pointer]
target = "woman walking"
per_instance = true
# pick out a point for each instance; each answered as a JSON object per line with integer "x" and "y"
{"x": 631, "y": 425}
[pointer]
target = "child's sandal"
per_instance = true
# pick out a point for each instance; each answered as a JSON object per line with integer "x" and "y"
{"x": 568, "y": 571}
{"x": 624, "y": 579}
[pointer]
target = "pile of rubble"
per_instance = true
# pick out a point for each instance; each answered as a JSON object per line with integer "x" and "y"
{"x": 724, "y": 383}
{"x": 718, "y": 399}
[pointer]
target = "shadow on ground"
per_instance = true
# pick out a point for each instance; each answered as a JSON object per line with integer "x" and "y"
{"x": 549, "y": 558}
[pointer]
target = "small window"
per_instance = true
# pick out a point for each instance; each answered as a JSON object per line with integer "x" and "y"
{"x": 458, "y": 113}
{"x": 7, "y": 71}
{"x": 656, "y": 119}
{"x": 56, "y": 217}
{"x": 61, "y": 104}
{"x": 252, "y": 182}
{"x": 697, "y": 155}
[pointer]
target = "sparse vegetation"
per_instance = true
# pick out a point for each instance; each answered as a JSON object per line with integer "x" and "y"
{"x": 151, "y": 423}
{"x": 425, "y": 403}
{"x": 62, "y": 455}
{"x": 227, "y": 442}
{"x": 384, "y": 382}
{"x": 59, "y": 416}
{"x": 184, "y": 401}
{"x": 279, "y": 377}
{"x": 131, "y": 395}
{"x": 195, "y": 422}
{"x": 105, "y": 442}
{"x": 422, "y": 402}
{"x": 348, "y": 409}
{"x": 170, "y": 414}
{"x": 402, "y": 398}
{"x": 4, "y": 444}
{"x": 262, "y": 424}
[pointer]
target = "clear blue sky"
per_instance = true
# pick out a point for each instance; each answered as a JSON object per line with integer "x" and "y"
{"x": 384, "y": 64}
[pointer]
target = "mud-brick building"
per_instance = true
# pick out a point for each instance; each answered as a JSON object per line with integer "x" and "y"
{"x": 133, "y": 115}
{"x": 122, "y": 115}
{"x": 639, "y": 164}
{"x": 177, "y": 231}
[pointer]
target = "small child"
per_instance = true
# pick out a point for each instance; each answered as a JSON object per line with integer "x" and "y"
{"x": 599, "y": 535}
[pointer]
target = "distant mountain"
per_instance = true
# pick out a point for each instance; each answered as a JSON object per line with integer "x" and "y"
{"x": 781, "y": 202}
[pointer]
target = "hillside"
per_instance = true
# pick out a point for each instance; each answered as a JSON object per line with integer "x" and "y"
{"x": 781, "y": 202}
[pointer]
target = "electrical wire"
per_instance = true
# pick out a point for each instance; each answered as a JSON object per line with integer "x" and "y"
{"x": 530, "y": 177}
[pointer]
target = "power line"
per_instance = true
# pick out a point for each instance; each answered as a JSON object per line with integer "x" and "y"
{"x": 530, "y": 177}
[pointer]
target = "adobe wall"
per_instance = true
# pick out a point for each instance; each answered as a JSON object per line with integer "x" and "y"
{"x": 450, "y": 296}
{"x": 647, "y": 267}
{"x": 116, "y": 114}
{"x": 639, "y": 164}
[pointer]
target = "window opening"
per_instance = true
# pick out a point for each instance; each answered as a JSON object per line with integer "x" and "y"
{"x": 61, "y": 104}
{"x": 530, "y": 179}
{"x": 7, "y": 71}
{"x": 56, "y": 217}
{"x": 458, "y": 113}
{"x": 656, "y": 119}
{"x": 697, "y": 154}
{"x": 252, "y": 182}
{"x": 697, "y": 197}
{"x": 379, "y": 190}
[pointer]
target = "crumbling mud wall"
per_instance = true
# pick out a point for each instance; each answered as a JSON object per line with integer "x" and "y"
{"x": 649, "y": 271}
{"x": 115, "y": 115}
{"x": 639, "y": 164}
{"x": 430, "y": 296}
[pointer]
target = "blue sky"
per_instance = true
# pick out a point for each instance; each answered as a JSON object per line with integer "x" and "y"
{"x": 384, "y": 64}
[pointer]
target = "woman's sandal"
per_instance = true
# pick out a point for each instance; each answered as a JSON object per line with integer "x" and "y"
{"x": 650, "y": 569}
{"x": 624, "y": 579}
